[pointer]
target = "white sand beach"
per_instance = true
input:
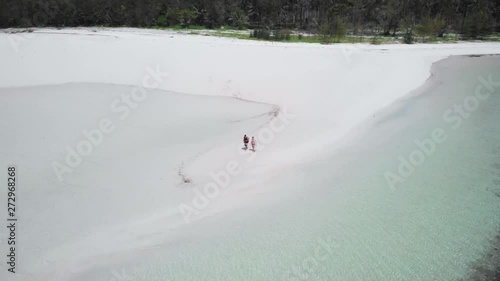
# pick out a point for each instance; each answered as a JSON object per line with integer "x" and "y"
{"x": 128, "y": 145}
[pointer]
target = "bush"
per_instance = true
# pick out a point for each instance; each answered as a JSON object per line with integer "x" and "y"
{"x": 430, "y": 28}
{"x": 261, "y": 34}
{"x": 186, "y": 17}
{"x": 407, "y": 28}
{"x": 276, "y": 35}
{"x": 173, "y": 17}
{"x": 282, "y": 35}
{"x": 339, "y": 30}
{"x": 162, "y": 21}
{"x": 479, "y": 25}
{"x": 408, "y": 38}
{"x": 179, "y": 17}
{"x": 376, "y": 40}
{"x": 325, "y": 33}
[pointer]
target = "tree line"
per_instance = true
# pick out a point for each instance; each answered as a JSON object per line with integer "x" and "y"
{"x": 469, "y": 18}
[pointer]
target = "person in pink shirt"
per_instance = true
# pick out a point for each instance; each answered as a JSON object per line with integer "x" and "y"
{"x": 254, "y": 144}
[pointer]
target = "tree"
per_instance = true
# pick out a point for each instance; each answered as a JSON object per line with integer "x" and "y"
{"x": 173, "y": 16}
{"x": 470, "y": 18}
{"x": 430, "y": 28}
{"x": 238, "y": 18}
{"x": 479, "y": 25}
{"x": 325, "y": 33}
{"x": 186, "y": 17}
{"x": 407, "y": 24}
{"x": 339, "y": 30}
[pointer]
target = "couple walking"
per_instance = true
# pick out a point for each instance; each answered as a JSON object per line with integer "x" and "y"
{"x": 245, "y": 141}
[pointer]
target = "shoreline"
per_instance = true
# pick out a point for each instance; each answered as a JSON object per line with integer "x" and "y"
{"x": 396, "y": 117}
{"x": 245, "y": 35}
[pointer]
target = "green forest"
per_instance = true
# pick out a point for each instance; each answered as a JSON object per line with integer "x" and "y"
{"x": 426, "y": 18}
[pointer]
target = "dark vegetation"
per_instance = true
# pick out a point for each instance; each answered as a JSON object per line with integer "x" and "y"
{"x": 332, "y": 20}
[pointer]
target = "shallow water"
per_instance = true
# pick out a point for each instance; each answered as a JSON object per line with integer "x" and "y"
{"x": 439, "y": 224}
{"x": 336, "y": 218}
